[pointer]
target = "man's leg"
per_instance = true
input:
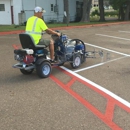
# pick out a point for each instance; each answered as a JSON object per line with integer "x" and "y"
{"x": 51, "y": 48}
{"x": 49, "y": 43}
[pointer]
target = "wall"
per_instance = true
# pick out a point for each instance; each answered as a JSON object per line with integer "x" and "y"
{"x": 61, "y": 10}
{"x": 28, "y": 7}
{"x": 5, "y": 16}
{"x": 46, "y": 4}
{"x": 17, "y": 7}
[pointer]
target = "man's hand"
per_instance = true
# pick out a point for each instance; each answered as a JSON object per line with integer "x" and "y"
{"x": 49, "y": 31}
{"x": 58, "y": 34}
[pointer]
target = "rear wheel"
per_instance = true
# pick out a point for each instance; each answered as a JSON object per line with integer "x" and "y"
{"x": 44, "y": 69}
{"x": 26, "y": 72}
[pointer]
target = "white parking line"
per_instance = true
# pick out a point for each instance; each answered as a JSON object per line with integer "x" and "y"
{"x": 93, "y": 66}
{"x": 107, "y": 49}
{"x": 124, "y": 31}
{"x": 96, "y": 85}
{"x": 126, "y": 103}
{"x": 112, "y": 37}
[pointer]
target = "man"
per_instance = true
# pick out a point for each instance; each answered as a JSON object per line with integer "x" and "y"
{"x": 35, "y": 26}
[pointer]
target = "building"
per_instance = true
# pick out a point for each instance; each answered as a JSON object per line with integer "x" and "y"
{"x": 95, "y": 3}
{"x": 18, "y": 11}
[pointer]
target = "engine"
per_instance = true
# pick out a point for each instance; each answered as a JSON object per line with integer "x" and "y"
{"x": 24, "y": 55}
{"x": 28, "y": 59}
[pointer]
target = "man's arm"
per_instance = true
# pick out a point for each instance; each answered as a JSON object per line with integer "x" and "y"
{"x": 49, "y": 31}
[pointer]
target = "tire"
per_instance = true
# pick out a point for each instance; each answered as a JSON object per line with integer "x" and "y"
{"x": 83, "y": 58}
{"x": 26, "y": 72}
{"x": 44, "y": 69}
{"x": 76, "y": 61}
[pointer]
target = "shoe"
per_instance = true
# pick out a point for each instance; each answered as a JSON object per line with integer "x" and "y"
{"x": 53, "y": 61}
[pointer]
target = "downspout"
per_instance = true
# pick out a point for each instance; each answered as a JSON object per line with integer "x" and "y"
{"x": 35, "y": 3}
{"x": 11, "y": 13}
{"x": 22, "y": 4}
{"x": 23, "y": 13}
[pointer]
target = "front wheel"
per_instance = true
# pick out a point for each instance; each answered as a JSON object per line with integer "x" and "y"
{"x": 76, "y": 61}
{"x": 83, "y": 58}
{"x": 26, "y": 72}
{"x": 44, "y": 69}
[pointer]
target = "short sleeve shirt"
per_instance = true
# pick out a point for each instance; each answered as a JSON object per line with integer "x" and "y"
{"x": 35, "y": 27}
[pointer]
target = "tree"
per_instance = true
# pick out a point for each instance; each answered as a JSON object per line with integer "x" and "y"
{"x": 66, "y": 10}
{"x": 101, "y": 9}
{"x": 86, "y": 10}
{"x": 127, "y": 12}
{"x": 123, "y": 6}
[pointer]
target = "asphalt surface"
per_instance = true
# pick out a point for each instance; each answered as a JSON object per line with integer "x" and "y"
{"x": 67, "y": 100}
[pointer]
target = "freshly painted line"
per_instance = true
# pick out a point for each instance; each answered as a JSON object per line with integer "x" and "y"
{"x": 124, "y": 31}
{"x": 126, "y": 103}
{"x": 113, "y": 37}
{"x": 107, "y": 49}
{"x": 93, "y": 66}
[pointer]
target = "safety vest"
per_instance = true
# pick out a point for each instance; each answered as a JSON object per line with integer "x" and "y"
{"x": 35, "y": 26}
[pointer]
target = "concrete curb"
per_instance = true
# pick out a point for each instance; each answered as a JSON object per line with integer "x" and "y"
{"x": 69, "y": 27}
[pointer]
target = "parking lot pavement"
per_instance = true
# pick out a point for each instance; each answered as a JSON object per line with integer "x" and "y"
{"x": 94, "y": 97}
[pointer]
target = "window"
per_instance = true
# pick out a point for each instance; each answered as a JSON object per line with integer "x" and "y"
{"x": 2, "y": 7}
{"x": 52, "y": 7}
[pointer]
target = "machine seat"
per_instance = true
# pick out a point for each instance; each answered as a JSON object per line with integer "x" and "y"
{"x": 27, "y": 42}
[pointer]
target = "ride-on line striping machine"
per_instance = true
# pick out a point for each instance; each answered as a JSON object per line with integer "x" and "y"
{"x": 35, "y": 56}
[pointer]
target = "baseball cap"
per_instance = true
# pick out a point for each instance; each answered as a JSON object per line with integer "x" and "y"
{"x": 39, "y": 9}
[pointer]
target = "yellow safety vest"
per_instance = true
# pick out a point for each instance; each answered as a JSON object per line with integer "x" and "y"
{"x": 35, "y": 26}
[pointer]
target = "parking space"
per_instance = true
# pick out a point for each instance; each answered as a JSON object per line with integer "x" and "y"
{"x": 95, "y": 96}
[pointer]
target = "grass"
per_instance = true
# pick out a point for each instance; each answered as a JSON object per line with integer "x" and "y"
{"x": 10, "y": 28}
{"x": 94, "y": 20}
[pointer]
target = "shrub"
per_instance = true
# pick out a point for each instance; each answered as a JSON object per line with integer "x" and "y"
{"x": 106, "y": 13}
{"x": 111, "y": 13}
{"x": 95, "y": 12}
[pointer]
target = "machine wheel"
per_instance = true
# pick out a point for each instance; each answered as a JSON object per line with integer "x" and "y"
{"x": 26, "y": 72}
{"x": 44, "y": 69}
{"x": 83, "y": 58}
{"x": 76, "y": 61}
